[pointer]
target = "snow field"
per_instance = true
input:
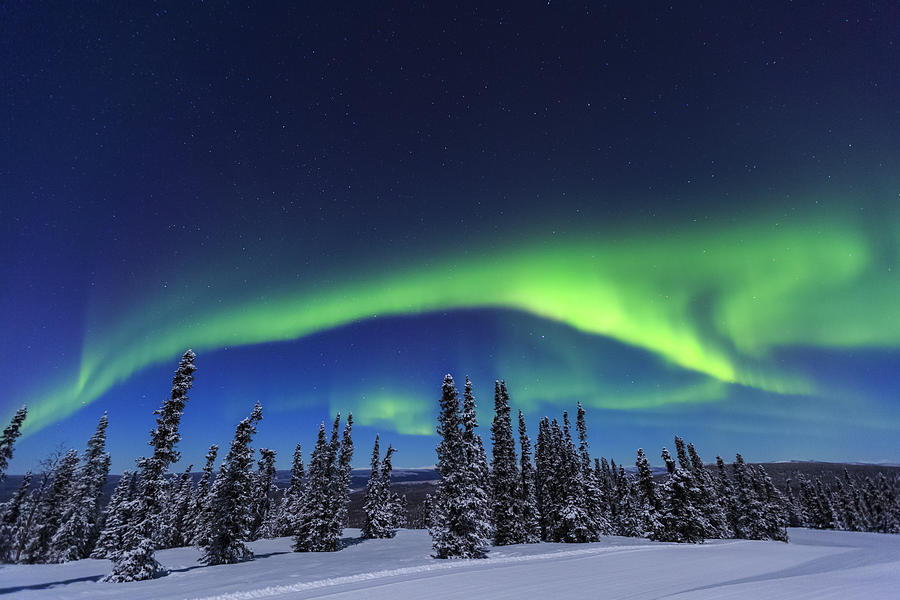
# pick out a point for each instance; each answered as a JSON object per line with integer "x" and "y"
{"x": 816, "y": 564}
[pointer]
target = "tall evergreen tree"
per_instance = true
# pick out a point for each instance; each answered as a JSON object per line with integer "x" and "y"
{"x": 79, "y": 524}
{"x": 372, "y": 503}
{"x": 148, "y": 526}
{"x": 507, "y": 509}
{"x": 342, "y": 478}
{"x": 230, "y": 505}
{"x": 574, "y": 523}
{"x": 531, "y": 527}
{"x": 459, "y": 525}
{"x": 315, "y": 527}
{"x": 8, "y": 439}
{"x": 592, "y": 494}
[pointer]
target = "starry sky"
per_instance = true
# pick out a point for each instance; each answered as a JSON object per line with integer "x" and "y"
{"x": 686, "y": 217}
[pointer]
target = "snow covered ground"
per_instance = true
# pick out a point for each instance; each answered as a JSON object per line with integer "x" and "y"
{"x": 816, "y": 564}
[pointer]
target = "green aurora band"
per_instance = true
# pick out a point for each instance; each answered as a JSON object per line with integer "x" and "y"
{"x": 709, "y": 299}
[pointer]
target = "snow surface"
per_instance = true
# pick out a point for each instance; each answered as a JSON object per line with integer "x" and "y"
{"x": 816, "y": 564}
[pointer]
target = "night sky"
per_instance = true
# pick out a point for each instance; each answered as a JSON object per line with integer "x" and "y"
{"x": 684, "y": 217}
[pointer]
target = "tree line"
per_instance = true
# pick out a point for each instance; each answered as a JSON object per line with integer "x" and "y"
{"x": 552, "y": 490}
{"x": 565, "y": 495}
{"x": 61, "y": 519}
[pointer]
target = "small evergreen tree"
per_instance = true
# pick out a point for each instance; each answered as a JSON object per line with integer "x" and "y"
{"x": 264, "y": 495}
{"x": 117, "y": 516}
{"x": 292, "y": 502}
{"x": 201, "y": 498}
{"x": 182, "y": 501}
{"x": 10, "y": 518}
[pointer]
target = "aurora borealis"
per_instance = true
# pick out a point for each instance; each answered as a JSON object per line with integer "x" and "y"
{"x": 685, "y": 242}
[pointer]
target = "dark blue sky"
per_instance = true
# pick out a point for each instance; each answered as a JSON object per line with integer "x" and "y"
{"x": 683, "y": 216}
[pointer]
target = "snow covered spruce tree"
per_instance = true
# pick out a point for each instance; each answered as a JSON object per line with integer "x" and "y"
{"x": 648, "y": 505}
{"x": 320, "y": 519}
{"x": 289, "y": 509}
{"x": 264, "y": 496}
{"x": 681, "y": 518}
{"x": 531, "y": 526}
{"x": 382, "y": 507}
{"x": 592, "y": 494}
{"x": 458, "y": 517}
{"x": 228, "y": 513}
{"x": 196, "y": 527}
{"x": 575, "y": 524}
{"x": 147, "y": 525}
{"x": 10, "y": 519}
{"x": 507, "y": 507}
{"x": 372, "y": 503}
{"x": 342, "y": 481}
{"x": 8, "y": 439}
{"x": 708, "y": 498}
{"x": 79, "y": 524}
{"x": 182, "y": 497}
{"x": 117, "y": 516}
{"x": 48, "y": 515}
{"x": 479, "y": 489}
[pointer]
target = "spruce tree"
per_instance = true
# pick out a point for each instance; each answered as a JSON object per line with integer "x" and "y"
{"x": 707, "y": 498}
{"x": 182, "y": 501}
{"x": 649, "y": 505}
{"x": 293, "y": 497}
{"x": 458, "y": 528}
{"x": 507, "y": 509}
{"x": 382, "y": 507}
{"x": 109, "y": 542}
{"x": 79, "y": 524}
{"x": 681, "y": 518}
{"x": 342, "y": 478}
{"x": 148, "y": 526}
{"x": 575, "y": 523}
{"x": 394, "y": 504}
{"x": 8, "y": 439}
{"x": 727, "y": 497}
{"x": 531, "y": 527}
{"x": 229, "y": 511}
{"x": 10, "y": 519}
{"x": 264, "y": 495}
{"x": 201, "y": 498}
{"x": 315, "y": 527}
{"x": 592, "y": 494}
{"x": 49, "y": 512}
